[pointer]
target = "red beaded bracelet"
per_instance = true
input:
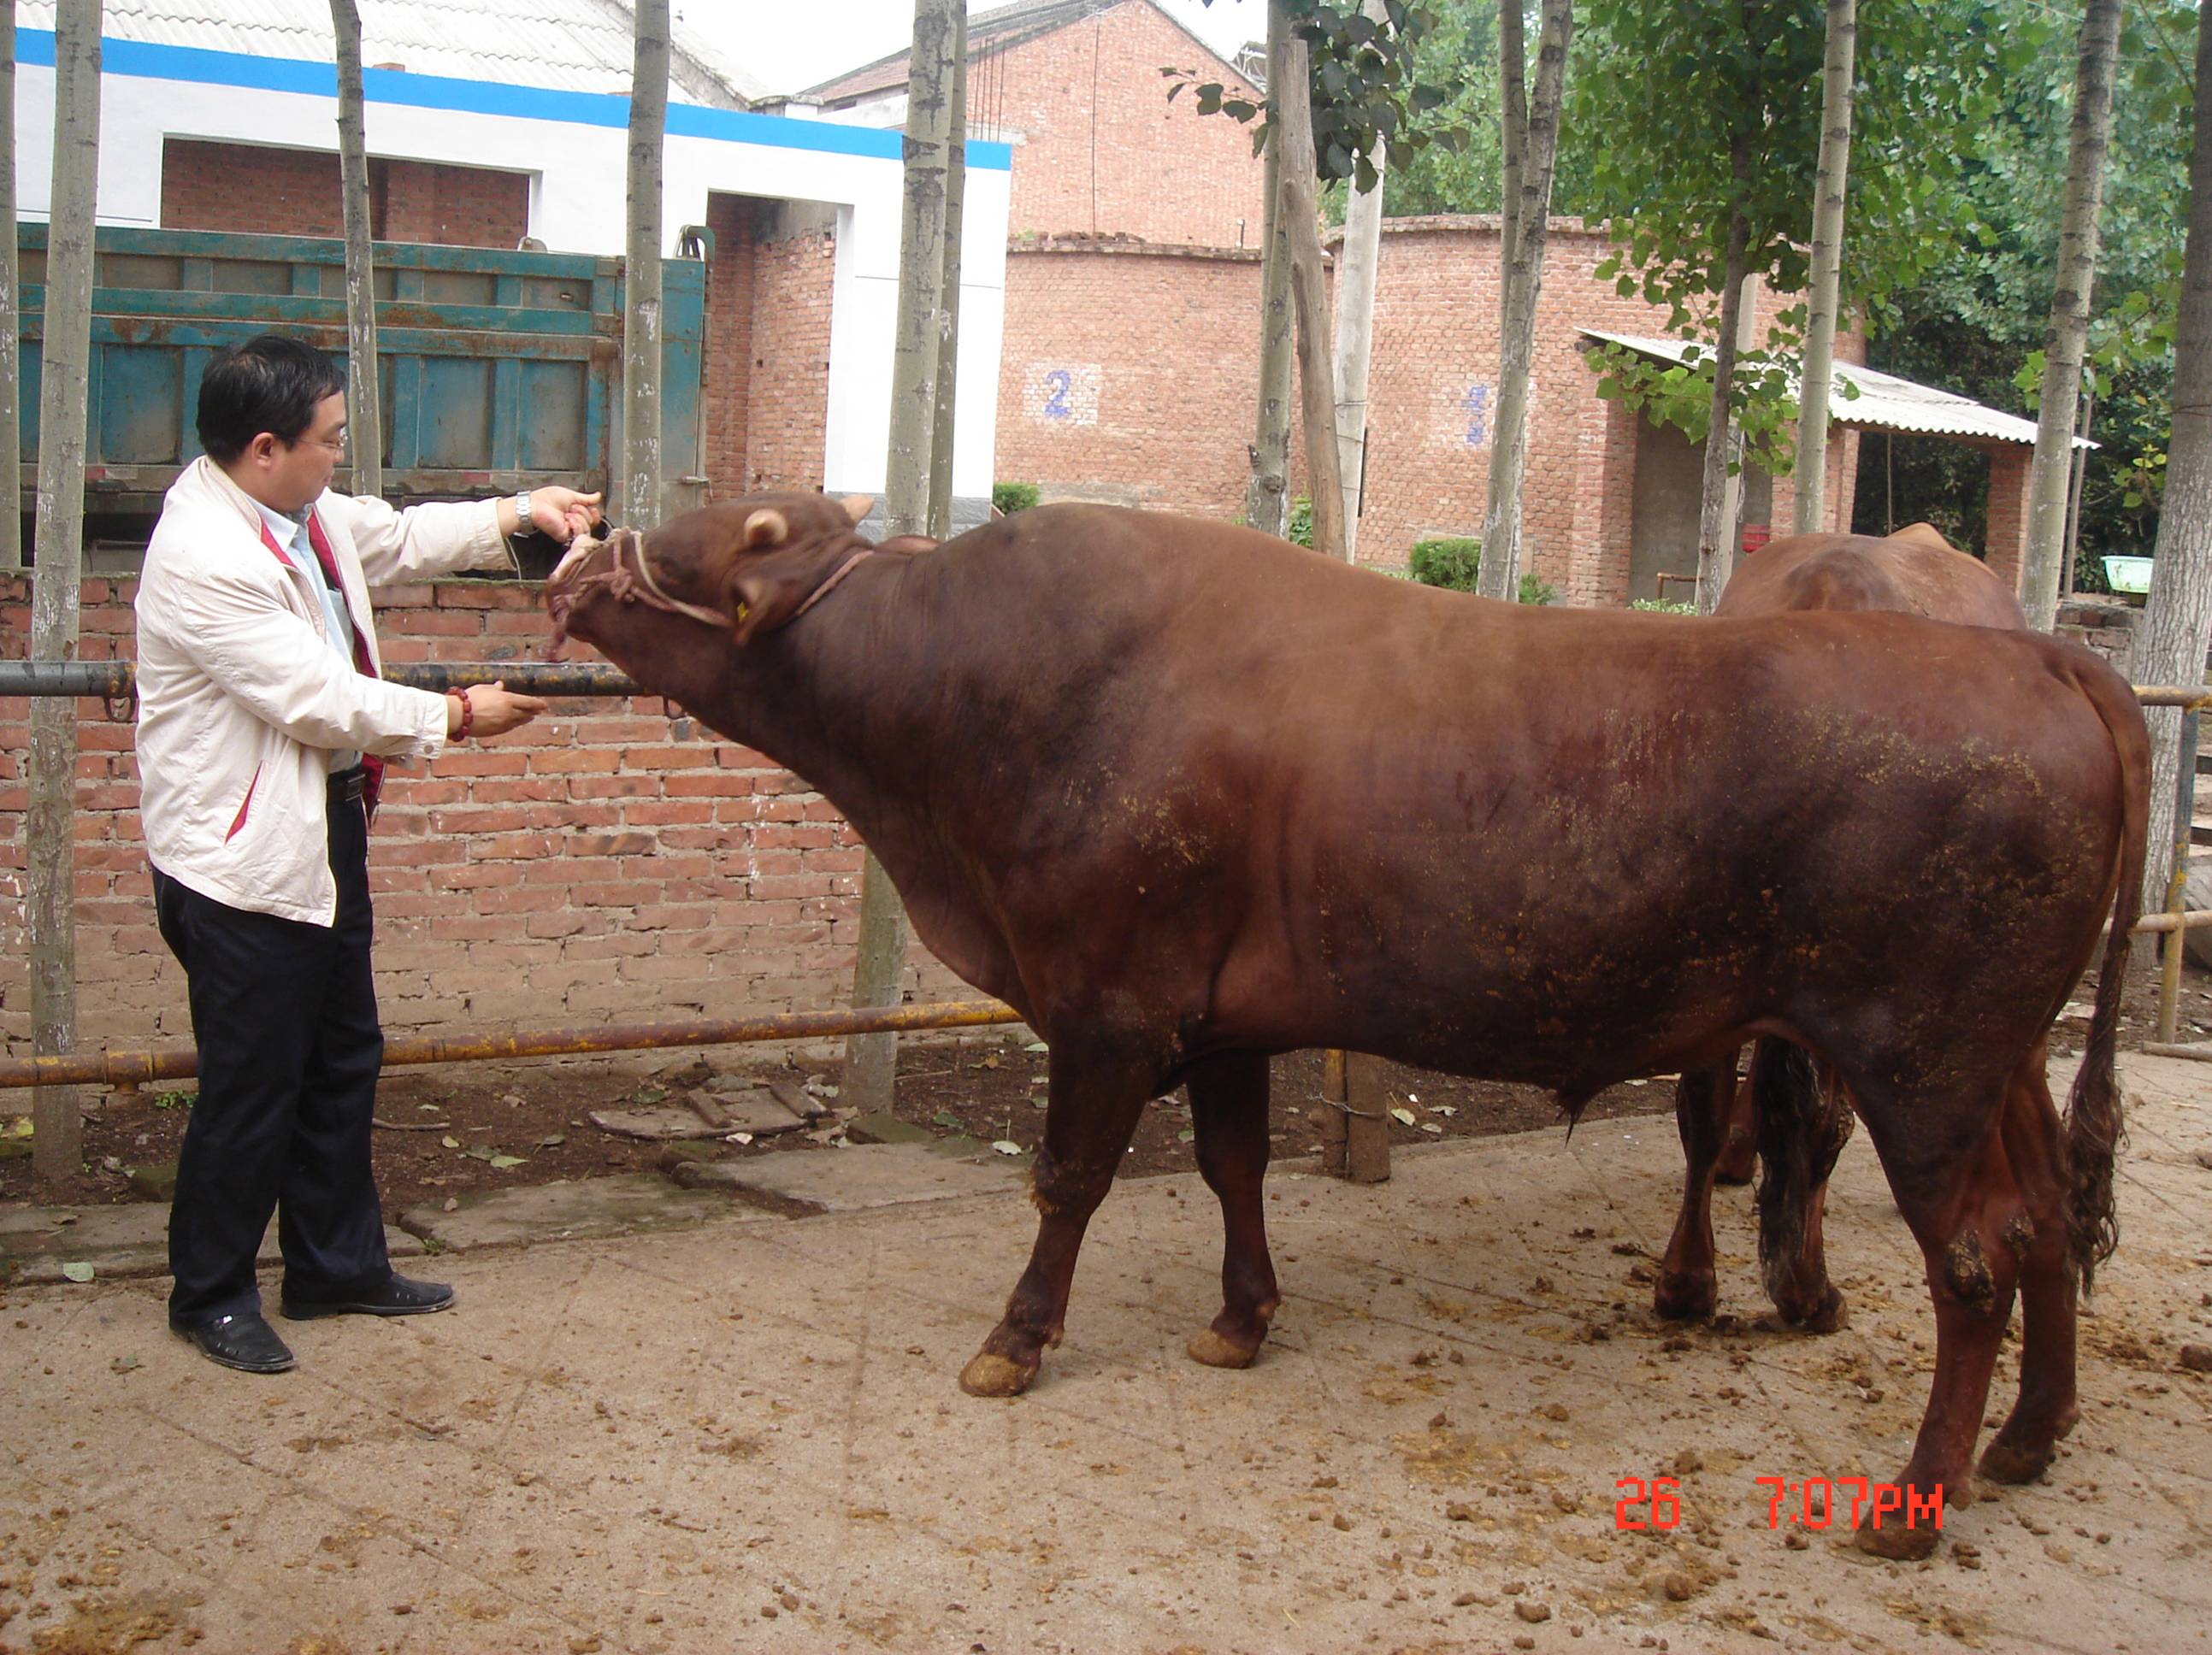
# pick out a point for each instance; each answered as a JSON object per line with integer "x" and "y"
{"x": 468, "y": 715}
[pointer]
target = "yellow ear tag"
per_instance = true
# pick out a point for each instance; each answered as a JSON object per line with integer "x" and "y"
{"x": 744, "y": 609}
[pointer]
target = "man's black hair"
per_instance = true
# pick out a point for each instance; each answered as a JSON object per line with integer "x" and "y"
{"x": 270, "y": 383}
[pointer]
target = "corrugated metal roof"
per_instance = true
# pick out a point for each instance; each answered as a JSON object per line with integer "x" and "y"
{"x": 560, "y": 46}
{"x": 1885, "y": 402}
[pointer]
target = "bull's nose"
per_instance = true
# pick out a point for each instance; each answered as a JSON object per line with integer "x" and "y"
{"x": 572, "y": 562}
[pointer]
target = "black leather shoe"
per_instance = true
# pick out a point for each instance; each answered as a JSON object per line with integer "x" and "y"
{"x": 243, "y": 1342}
{"x": 397, "y": 1297}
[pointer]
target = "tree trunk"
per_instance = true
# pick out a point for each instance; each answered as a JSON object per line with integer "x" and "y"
{"x": 871, "y": 1060}
{"x": 649, "y": 121}
{"x": 1522, "y": 281}
{"x": 2177, "y": 623}
{"x": 1310, "y": 296}
{"x": 2070, "y": 311}
{"x": 1820, "y": 361}
{"x": 11, "y": 379}
{"x": 1716, "y": 532}
{"x": 948, "y": 359}
{"x": 1356, "y": 271}
{"x": 50, "y": 897}
{"x": 1512, "y": 138}
{"x": 1266, "y": 498}
{"x": 365, "y": 401}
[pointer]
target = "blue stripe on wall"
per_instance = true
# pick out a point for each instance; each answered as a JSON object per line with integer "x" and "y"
{"x": 146, "y": 60}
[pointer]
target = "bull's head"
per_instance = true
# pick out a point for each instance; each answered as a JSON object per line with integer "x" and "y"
{"x": 747, "y": 565}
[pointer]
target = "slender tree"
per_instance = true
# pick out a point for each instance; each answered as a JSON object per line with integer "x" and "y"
{"x": 1310, "y": 298}
{"x": 2069, "y": 309}
{"x": 11, "y": 382}
{"x": 64, "y": 358}
{"x": 1530, "y": 138}
{"x": 365, "y": 402}
{"x": 1267, "y": 497}
{"x": 1820, "y": 359}
{"x": 1358, "y": 260}
{"x": 2177, "y": 629}
{"x": 948, "y": 364}
{"x": 641, "y": 322}
{"x": 870, "y": 1070}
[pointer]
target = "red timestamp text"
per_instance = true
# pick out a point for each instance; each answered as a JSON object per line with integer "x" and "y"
{"x": 1660, "y": 1498}
{"x": 1819, "y": 1502}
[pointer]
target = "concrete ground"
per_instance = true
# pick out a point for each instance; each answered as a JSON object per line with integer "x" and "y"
{"x": 741, "y": 1431}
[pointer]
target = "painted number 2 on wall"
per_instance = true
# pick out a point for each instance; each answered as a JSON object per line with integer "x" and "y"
{"x": 1063, "y": 394}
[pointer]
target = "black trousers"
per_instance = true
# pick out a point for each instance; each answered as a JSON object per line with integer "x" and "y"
{"x": 284, "y": 1016}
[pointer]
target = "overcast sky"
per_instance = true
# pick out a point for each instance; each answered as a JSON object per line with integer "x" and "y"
{"x": 789, "y": 46}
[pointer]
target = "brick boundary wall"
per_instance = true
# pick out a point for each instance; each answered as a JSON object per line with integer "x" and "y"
{"x": 1159, "y": 347}
{"x": 604, "y": 865}
{"x": 265, "y": 190}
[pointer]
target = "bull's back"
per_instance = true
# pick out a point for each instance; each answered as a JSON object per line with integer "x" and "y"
{"x": 1912, "y": 572}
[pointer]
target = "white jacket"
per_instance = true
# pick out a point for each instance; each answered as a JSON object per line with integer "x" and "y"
{"x": 240, "y": 697}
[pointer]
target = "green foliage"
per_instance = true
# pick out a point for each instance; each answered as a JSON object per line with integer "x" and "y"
{"x": 178, "y": 1100}
{"x": 1450, "y": 563}
{"x": 1533, "y": 591}
{"x": 1661, "y": 606}
{"x": 1299, "y": 530}
{"x": 1366, "y": 88}
{"x": 1013, "y": 497}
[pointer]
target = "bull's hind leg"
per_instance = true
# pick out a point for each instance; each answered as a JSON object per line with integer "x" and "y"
{"x": 2048, "y": 1405}
{"x": 1687, "y": 1285}
{"x": 1957, "y": 1194}
{"x": 1229, "y": 1108}
{"x": 1740, "y": 1125}
{"x": 1094, "y": 1106}
{"x": 1804, "y": 1121}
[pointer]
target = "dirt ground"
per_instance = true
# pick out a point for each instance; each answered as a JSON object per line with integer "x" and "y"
{"x": 457, "y": 1129}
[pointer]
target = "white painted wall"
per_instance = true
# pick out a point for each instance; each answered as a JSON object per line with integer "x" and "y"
{"x": 577, "y": 205}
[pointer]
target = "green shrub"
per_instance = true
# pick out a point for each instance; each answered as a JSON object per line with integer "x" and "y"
{"x": 1299, "y": 530}
{"x": 1013, "y": 497}
{"x": 1533, "y": 591}
{"x": 1449, "y": 563}
{"x": 1661, "y": 606}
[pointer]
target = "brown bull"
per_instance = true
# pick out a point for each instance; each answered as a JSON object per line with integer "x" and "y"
{"x": 1185, "y": 796}
{"x": 1913, "y": 571}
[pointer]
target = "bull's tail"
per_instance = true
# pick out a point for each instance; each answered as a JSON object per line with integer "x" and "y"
{"x": 1803, "y": 1124}
{"x": 2094, "y": 1126}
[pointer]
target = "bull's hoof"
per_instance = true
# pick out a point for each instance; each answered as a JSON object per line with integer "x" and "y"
{"x": 1898, "y": 1543}
{"x": 1215, "y": 1351}
{"x": 2007, "y": 1462}
{"x": 990, "y": 1375}
{"x": 1833, "y": 1314}
{"x": 1685, "y": 1298}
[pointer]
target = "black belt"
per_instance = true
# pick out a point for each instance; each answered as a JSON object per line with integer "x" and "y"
{"x": 348, "y": 785}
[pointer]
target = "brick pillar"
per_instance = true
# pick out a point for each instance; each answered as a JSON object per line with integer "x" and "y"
{"x": 2006, "y": 548}
{"x": 728, "y": 391}
{"x": 1605, "y": 504}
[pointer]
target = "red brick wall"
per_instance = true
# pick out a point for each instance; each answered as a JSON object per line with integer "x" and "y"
{"x": 787, "y": 410}
{"x": 1160, "y": 346}
{"x": 1099, "y": 149}
{"x": 250, "y": 188}
{"x": 604, "y": 864}
{"x": 724, "y": 400}
{"x": 2007, "y": 522}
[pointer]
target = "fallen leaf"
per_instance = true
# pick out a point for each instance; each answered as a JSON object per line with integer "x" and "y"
{"x": 946, "y": 1117}
{"x": 1430, "y": 1126}
{"x": 1185, "y": 1135}
{"x": 1404, "y": 1115}
{"x": 650, "y": 1095}
{"x": 505, "y": 1161}
{"x": 1040, "y": 1102}
{"x": 453, "y": 1204}
{"x": 123, "y": 1364}
{"x": 77, "y": 1271}
{"x": 739, "y": 1138}
{"x": 552, "y": 1140}
{"x": 1008, "y": 1147}
{"x": 1036, "y": 1045}
{"x": 1442, "y": 1109}
{"x": 450, "y": 1142}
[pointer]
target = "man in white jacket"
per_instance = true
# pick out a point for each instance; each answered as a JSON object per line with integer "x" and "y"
{"x": 263, "y": 729}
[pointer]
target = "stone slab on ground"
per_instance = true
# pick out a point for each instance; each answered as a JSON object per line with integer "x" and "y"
{"x": 750, "y": 1436}
{"x": 866, "y": 1175}
{"x": 629, "y": 1204}
{"x": 127, "y": 1240}
{"x": 756, "y": 1112}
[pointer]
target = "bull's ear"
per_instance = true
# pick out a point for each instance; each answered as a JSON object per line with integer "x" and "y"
{"x": 857, "y": 507}
{"x": 766, "y": 527}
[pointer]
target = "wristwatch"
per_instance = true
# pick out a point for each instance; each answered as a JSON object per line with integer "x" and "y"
{"x": 523, "y": 525}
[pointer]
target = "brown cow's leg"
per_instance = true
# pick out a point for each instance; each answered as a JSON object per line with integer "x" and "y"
{"x": 1088, "y": 1124}
{"x": 1739, "y": 1157}
{"x": 1961, "y": 1210}
{"x": 1687, "y": 1285}
{"x": 2048, "y": 1405}
{"x": 1228, "y": 1108}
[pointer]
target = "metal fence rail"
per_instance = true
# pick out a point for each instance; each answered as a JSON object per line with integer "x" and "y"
{"x": 114, "y": 681}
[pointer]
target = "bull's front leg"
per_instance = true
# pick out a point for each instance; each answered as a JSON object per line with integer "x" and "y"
{"x": 1094, "y": 1106}
{"x": 1687, "y": 1284}
{"x": 1228, "y": 1109}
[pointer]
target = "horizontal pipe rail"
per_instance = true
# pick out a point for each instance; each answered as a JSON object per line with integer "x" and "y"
{"x": 136, "y": 1068}
{"x": 114, "y": 679}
